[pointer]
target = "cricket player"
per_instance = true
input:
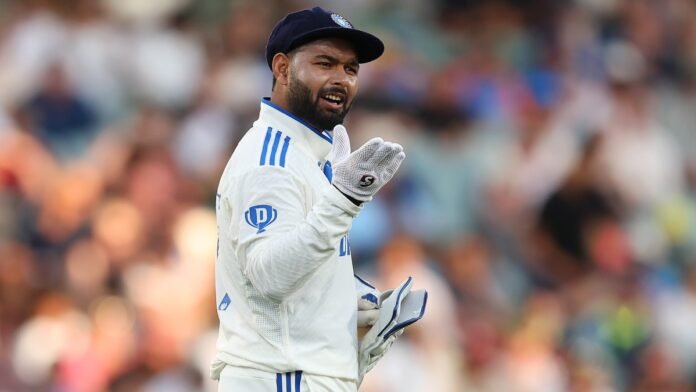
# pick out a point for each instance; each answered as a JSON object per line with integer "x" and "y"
{"x": 288, "y": 302}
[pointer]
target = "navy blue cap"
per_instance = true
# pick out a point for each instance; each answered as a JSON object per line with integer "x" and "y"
{"x": 299, "y": 28}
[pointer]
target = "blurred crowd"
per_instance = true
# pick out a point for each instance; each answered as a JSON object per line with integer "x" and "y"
{"x": 547, "y": 203}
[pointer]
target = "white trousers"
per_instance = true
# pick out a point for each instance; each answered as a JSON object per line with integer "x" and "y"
{"x": 236, "y": 379}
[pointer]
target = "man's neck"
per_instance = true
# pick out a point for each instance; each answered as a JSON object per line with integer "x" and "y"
{"x": 280, "y": 101}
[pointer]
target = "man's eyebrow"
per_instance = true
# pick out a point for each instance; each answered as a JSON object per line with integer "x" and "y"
{"x": 326, "y": 57}
{"x": 353, "y": 62}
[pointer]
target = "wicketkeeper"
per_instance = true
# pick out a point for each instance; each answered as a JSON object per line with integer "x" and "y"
{"x": 288, "y": 302}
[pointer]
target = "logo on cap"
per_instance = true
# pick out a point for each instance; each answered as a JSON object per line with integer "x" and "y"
{"x": 341, "y": 21}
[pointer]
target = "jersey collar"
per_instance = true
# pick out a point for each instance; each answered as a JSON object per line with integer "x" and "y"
{"x": 317, "y": 141}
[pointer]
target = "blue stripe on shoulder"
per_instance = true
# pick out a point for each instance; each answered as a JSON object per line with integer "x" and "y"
{"x": 284, "y": 151}
{"x": 287, "y": 382}
{"x": 279, "y": 383}
{"x": 264, "y": 150}
{"x": 274, "y": 149}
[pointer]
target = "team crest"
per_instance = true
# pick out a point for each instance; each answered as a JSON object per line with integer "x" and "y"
{"x": 260, "y": 216}
{"x": 341, "y": 21}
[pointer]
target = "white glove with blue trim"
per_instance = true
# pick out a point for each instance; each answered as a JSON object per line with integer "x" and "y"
{"x": 368, "y": 302}
{"x": 360, "y": 174}
{"x": 399, "y": 308}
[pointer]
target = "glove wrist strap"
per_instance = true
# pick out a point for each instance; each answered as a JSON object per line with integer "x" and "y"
{"x": 352, "y": 199}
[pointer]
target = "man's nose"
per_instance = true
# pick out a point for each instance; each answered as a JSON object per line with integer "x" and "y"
{"x": 341, "y": 77}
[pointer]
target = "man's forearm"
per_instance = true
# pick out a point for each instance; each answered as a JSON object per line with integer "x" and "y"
{"x": 279, "y": 264}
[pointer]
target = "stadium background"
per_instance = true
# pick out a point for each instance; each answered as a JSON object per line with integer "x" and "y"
{"x": 547, "y": 201}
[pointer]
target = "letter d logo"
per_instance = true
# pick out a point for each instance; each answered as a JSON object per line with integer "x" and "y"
{"x": 260, "y": 216}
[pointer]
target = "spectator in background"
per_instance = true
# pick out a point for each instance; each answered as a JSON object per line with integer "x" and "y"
{"x": 572, "y": 219}
{"x": 60, "y": 117}
{"x": 675, "y": 317}
{"x": 639, "y": 155}
{"x": 204, "y": 135}
{"x": 240, "y": 75}
{"x": 166, "y": 65}
{"x": 96, "y": 58}
{"x": 442, "y": 162}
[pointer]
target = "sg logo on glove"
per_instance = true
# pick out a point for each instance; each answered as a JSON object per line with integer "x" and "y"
{"x": 367, "y": 180}
{"x": 260, "y": 216}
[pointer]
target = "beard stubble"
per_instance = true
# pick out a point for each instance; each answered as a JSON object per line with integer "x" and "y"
{"x": 301, "y": 104}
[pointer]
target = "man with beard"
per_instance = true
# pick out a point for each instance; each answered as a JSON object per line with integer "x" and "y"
{"x": 286, "y": 292}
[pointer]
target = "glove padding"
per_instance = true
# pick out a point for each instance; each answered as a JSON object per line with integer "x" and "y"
{"x": 399, "y": 308}
{"x": 363, "y": 172}
{"x": 368, "y": 302}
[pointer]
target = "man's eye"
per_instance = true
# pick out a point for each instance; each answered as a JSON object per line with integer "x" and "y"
{"x": 324, "y": 64}
{"x": 352, "y": 70}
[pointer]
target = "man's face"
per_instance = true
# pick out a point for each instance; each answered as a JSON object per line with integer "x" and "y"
{"x": 322, "y": 82}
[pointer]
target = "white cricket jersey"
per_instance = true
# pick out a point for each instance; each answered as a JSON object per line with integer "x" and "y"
{"x": 286, "y": 295}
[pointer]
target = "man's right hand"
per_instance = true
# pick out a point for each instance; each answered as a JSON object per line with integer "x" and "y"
{"x": 360, "y": 174}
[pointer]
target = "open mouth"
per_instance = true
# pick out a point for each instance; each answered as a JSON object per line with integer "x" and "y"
{"x": 333, "y": 100}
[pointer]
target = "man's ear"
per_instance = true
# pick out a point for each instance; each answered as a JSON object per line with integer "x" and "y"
{"x": 281, "y": 68}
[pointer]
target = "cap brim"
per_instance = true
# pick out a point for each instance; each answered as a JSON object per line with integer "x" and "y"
{"x": 367, "y": 47}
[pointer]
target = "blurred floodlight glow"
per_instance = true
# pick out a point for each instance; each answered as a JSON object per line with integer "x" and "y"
{"x": 119, "y": 226}
{"x": 195, "y": 233}
{"x": 87, "y": 267}
{"x": 144, "y": 11}
{"x": 41, "y": 342}
{"x": 113, "y": 314}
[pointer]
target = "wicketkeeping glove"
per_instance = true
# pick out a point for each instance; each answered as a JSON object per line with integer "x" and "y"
{"x": 399, "y": 308}
{"x": 363, "y": 172}
{"x": 368, "y": 302}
